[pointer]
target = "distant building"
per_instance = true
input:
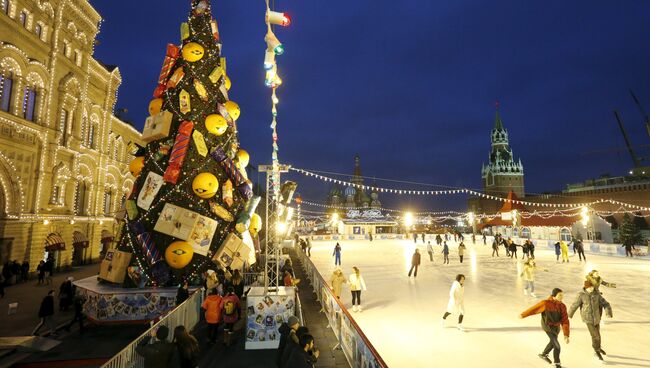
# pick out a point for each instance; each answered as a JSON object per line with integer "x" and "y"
{"x": 63, "y": 154}
{"x": 351, "y": 196}
{"x": 502, "y": 174}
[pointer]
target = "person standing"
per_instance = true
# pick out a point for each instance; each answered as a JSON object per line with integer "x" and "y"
{"x": 66, "y": 293}
{"x": 591, "y": 304}
{"x": 337, "y": 254}
{"x": 513, "y": 249}
{"x": 558, "y": 251}
{"x": 231, "y": 310}
{"x": 45, "y": 313}
{"x": 461, "y": 250}
{"x": 24, "y": 268}
{"x": 554, "y": 316}
{"x": 78, "y": 304}
{"x": 415, "y": 262}
{"x": 423, "y": 237}
{"x": 456, "y": 302}
{"x": 337, "y": 280}
{"x": 506, "y": 245}
{"x": 531, "y": 249}
{"x": 495, "y": 247}
{"x": 357, "y": 284}
{"x": 473, "y": 239}
{"x": 300, "y": 357}
{"x": 159, "y": 354}
{"x": 415, "y": 238}
{"x": 445, "y": 253}
{"x": 309, "y": 245}
{"x": 370, "y": 237}
{"x": 237, "y": 283}
{"x": 41, "y": 272}
{"x": 564, "y": 248}
{"x": 580, "y": 249}
{"x": 484, "y": 239}
{"x": 528, "y": 274}
{"x": 525, "y": 249}
{"x": 183, "y": 293}
{"x": 430, "y": 250}
{"x": 287, "y": 331}
{"x": 628, "y": 249}
{"x": 187, "y": 348}
{"x": 438, "y": 239}
{"x": 211, "y": 305}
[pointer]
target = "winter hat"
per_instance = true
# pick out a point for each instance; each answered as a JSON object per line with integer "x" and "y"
{"x": 588, "y": 284}
{"x": 293, "y": 320}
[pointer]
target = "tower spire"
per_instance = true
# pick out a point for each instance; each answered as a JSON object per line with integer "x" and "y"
{"x": 498, "y": 125}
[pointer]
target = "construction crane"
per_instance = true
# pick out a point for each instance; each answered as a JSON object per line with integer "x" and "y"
{"x": 635, "y": 159}
{"x": 646, "y": 120}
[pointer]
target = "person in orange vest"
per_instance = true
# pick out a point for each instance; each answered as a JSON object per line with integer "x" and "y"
{"x": 212, "y": 307}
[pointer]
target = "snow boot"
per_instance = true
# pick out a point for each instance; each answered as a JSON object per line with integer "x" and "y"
{"x": 545, "y": 358}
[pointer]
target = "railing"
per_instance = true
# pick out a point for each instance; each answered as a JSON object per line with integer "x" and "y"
{"x": 354, "y": 343}
{"x": 299, "y": 310}
{"x": 186, "y": 314}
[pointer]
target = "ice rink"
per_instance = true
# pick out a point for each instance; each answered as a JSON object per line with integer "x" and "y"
{"x": 401, "y": 315}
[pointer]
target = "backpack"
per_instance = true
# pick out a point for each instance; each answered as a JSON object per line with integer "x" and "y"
{"x": 229, "y": 307}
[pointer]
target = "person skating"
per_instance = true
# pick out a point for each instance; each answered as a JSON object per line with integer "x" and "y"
{"x": 531, "y": 249}
{"x": 445, "y": 253}
{"x": 45, "y": 313}
{"x": 438, "y": 239}
{"x": 287, "y": 331}
{"x": 309, "y": 245}
{"x": 159, "y": 354}
{"x": 580, "y": 249}
{"x": 473, "y": 239}
{"x": 591, "y": 304}
{"x": 554, "y": 316}
{"x": 423, "y": 237}
{"x": 461, "y": 251}
{"x": 596, "y": 280}
{"x": 525, "y": 249}
{"x": 484, "y": 239}
{"x": 337, "y": 254}
{"x": 495, "y": 247}
{"x": 231, "y": 311}
{"x": 357, "y": 284}
{"x": 430, "y": 250}
{"x": 415, "y": 262}
{"x": 528, "y": 274}
{"x": 456, "y": 302}
{"x": 506, "y": 245}
{"x": 628, "y": 249}
{"x": 564, "y": 248}
{"x": 212, "y": 307}
{"x": 513, "y": 249}
{"x": 337, "y": 280}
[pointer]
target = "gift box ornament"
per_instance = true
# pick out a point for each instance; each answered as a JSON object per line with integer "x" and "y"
{"x": 157, "y": 126}
{"x": 150, "y": 189}
{"x": 114, "y": 265}
{"x": 233, "y": 174}
{"x": 178, "y": 153}
{"x": 184, "y": 102}
{"x": 185, "y": 31}
{"x": 223, "y": 213}
{"x": 200, "y": 90}
{"x": 172, "y": 54}
{"x": 199, "y": 142}
{"x": 244, "y": 219}
{"x": 232, "y": 253}
{"x": 144, "y": 239}
{"x": 187, "y": 225}
{"x": 176, "y": 78}
{"x": 215, "y": 74}
{"x": 226, "y": 193}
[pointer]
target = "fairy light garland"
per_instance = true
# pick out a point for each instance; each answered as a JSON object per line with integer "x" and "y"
{"x": 464, "y": 191}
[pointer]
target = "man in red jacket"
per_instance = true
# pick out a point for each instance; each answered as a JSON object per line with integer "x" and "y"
{"x": 554, "y": 315}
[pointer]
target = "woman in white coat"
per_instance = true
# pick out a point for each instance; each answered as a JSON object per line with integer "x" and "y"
{"x": 356, "y": 285}
{"x": 456, "y": 301}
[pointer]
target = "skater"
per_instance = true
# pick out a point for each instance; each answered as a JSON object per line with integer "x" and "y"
{"x": 337, "y": 280}
{"x": 415, "y": 262}
{"x": 231, "y": 311}
{"x": 430, "y": 250}
{"x": 554, "y": 315}
{"x": 558, "y": 251}
{"x": 525, "y": 249}
{"x": 580, "y": 249}
{"x": 455, "y": 237}
{"x": 506, "y": 245}
{"x": 446, "y": 236}
{"x": 495, "y": 247}
{"x": 531, "y": 249}
{"x": 438, "y": 239}
{"x": 337, "y": 254}
{"x": 473, "y": 239}
{"x": 461, "y": 251}
{"x": 423, "y": 238}
{"x": 565, "y": 251}
{"x": 628, "y": 249}
{"x": 211, "y": 306}
{"x": 309, "y": 245}
{"x": 445, "y": 253}
{"x": 45, "y": 313}
{"x": 591, "y": 304}
{"x": 415, "y": 238}
{"x": 159, "y": 354}
{"x": 528, "y": 274}
{"x": 456, "y": 302}
{"x": 370, "y": 237}
{"x": 357, "y": 284}
{"x": 513, "y": 249}
{"x": 484, "y": 239}
{"x": 596, "y": 280}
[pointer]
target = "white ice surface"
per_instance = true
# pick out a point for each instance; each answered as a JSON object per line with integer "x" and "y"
{"x": 401, "y": 315}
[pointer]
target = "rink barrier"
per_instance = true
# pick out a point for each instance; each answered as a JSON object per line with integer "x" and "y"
{"x": 356, "y": 347}
{"x": 187, "y": 314}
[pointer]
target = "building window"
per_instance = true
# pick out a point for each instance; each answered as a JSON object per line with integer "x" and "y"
{"x": 108, "y": 198}
{"x": 5, "y": 6}
{"x": 525, "y": 233}
{"x": 565, "y": 234}
{"x": 77, "y": 57}
{"x": 63, "y": 124}
{"x": 39, "y": 31}
{"x": 91, "y": 136}
{"x": 66, "y": 48}
{"x": 22, "y": 18}
{"x": 81, "y": 198}
{"x": 56, "y": 193}
{"x": 6, "y": 86}
{"x": 30, "y": 103}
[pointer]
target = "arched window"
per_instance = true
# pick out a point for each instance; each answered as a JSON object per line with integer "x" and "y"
{"x": 6, "y": 88}
{"x": 94, "y": 122}
{"x": 81, "y": 198}
{"x": 39, "y": 30}
{"x": 565, "y": 234}
{"x": 63, "y": 125}
{"x": 66, "y": 48}
{"x": 77, "y": 57}
{"x": 525, "y": 233}
{"x": 22, "y": 18}
{"x": 108, "y": 198}
{"x": 5, "y": 6}
{"x": 30, "y": 103}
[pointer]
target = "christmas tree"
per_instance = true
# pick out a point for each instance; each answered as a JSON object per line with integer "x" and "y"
{"x": 191, "y": 205}
{"x": 629, "y": 233}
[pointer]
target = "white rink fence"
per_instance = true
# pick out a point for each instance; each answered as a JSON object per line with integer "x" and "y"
{"x": 604, "y": 249}
{"x": 187, "y": 314}
{"x": 356, "y": 347}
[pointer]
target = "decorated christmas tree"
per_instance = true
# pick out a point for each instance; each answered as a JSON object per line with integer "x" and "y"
{"x": 191, "y": 205}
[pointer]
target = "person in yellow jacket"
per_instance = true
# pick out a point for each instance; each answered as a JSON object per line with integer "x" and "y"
{"x": 337, "y": 280}
{"x": 564, "y": 248}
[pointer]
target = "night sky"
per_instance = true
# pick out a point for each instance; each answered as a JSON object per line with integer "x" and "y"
{"x": 411, "y": 85}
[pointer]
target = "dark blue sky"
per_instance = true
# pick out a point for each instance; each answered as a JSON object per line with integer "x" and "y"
{"x": 411, "y": 85}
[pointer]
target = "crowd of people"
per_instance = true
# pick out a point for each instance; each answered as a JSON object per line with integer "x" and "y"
{"x": 68, "y": 297}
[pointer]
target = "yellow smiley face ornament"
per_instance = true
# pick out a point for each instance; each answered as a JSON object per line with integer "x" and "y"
{"x": 193, "y": 52}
